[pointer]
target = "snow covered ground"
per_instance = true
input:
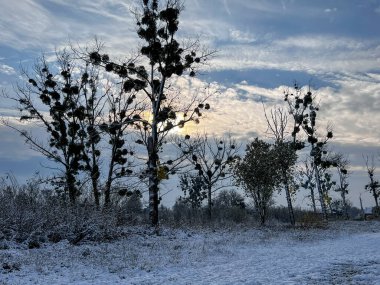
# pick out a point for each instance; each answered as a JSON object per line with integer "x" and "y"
{"x": 345, "y": 253}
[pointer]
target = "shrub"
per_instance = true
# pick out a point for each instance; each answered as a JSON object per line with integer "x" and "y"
{"x": 32, "y": 216}
{"x": 312, "y": 220}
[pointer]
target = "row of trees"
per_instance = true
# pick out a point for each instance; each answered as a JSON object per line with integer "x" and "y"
{"x": 89, "y": 104}
{"x": 269, "y": 166}
{"x": 108, "y": 124}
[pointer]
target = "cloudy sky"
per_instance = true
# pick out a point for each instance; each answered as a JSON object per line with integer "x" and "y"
{"x": 263, "y": 46}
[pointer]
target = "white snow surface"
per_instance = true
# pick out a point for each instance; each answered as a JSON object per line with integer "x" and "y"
{"x": 344, "y": 253}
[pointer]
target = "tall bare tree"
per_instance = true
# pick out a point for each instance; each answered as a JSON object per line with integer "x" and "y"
{"x": 308, "y": 180}
{"x": 162, "y": 59}
{"x": 65, "y": 96}
{"x": 304, "y": 111}
{"x": 78, "y": 111}
{"x": 373, "y": 186}
{"x": 213, "y": 159}
{"x": 122, "y": 110}
{"x": 343, "y": 173}
{"x": 277, "y": 126}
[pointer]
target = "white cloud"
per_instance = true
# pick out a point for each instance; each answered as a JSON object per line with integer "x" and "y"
{"x": 241, "y": 37}
{"x": 312, "y": 54}
{"x": 6, "y": 69}
{"x": 320, "y": 42}
{"x": 30, "y": 24}
{"x": 264, "y": 6}
{"x": 330, "y": 10}
{"x": 117, "y": 10}
{"x": 353, "y": 108}
{"x": 23, "y": 21}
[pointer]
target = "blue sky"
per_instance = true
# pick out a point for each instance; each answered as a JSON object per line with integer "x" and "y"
{"x": 263, "y": 46}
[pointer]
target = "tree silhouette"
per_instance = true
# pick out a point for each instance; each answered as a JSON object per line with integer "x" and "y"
{"x": 163, "y": 58}
{"x": 82, "y": 112}
{"x": 122, "y": 111}
{"x": 327, "y": 184}
{"x": 373, "y": 186}
{"x": 194, "y": 190}
{"x": 61, "y": 91}
{"x": 287, "y": 157}
{"x": 304, "y": 111}
{"x": 343, "y": 173}
{"x": 213, "y": 159}
{"x": 259, "y": 174}
{"x": 308, "y": 180}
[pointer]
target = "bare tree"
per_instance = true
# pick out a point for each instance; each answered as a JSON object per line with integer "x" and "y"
{"x": 82, "y": 111}
{"x": 373, "y": 186}
{"x": 277, "y": 126}
{"x": 213, "y": 159}
{"x": 343, "y": 173}
{"x": 162, "y": 58}
{"x": 122, "y": 111}
{"x": 66, "y": 97}
{"x": 327, "y": 185}
{"x": 303, "y": 109}
{"x": 308, "y": 180}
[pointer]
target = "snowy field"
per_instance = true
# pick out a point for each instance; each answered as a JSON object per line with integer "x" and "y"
{"x": 345, "y": 253}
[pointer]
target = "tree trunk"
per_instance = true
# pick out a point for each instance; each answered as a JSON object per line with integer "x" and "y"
{"x": 263, "y": 215}
{"x": 209, "y": 202}
{"x": 107, "y": 190}
{"x": 260, "y": 206}
{"x": 313, "y": 199}
{"x": 70, "y": 185}
{"x": 373, "y": 189}
{"x": 95, "y": 191}
{"x": 95, "y": 176}
{"x": 153, "y": 183}
{"x": 376, "y": 198}
{"x": 344, "y": 204}
{"x": 320, "y": 192}
{"x": 289, "y": 199}
{"x": 107, "y": 194}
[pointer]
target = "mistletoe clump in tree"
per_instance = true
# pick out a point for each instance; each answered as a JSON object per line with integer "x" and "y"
{"x": 165, "y": 58}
